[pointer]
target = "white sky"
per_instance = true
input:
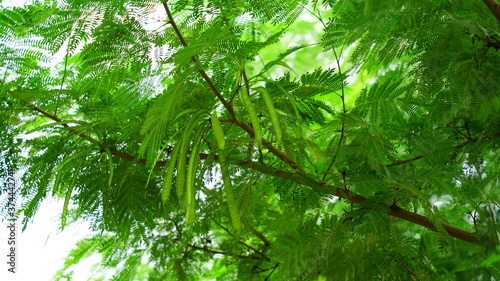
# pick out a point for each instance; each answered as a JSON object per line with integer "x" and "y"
{"x": 41, "y": 249}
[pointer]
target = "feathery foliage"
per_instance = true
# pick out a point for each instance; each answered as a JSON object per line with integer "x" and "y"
{"x": 260, "y": 140}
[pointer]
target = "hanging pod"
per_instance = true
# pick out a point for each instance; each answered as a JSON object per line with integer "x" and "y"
{"x": 169, "y": 177}
{"x": 218, "y": 132}
{"x": 228, "y": 186}
{"x": 181, "y": 164}
{"x": 273, "y": 114}
{"x": 245, "y": 99}
{"x": 194, "y": 157}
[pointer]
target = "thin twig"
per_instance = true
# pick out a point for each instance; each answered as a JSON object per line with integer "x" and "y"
{"x": 206, "y": 249}
{"x": 404, "y": 265}
{"x": 234, "y": 93}
{"x": 342, "y": 128}
{"x": 93, "y": 141}
{"x": 260, "y": 236}
{"x": 272, "y": 271}
{"x": 242, "y": 243}
{"x": 402, "y": 162}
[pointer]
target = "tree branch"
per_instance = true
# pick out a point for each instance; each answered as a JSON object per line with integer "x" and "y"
{"x": 260, "y": 236}
{"x": 494, "y": 7}
{"x": 404, "y": 265}
{"x": 402, "y": 162}
{"x": 393, "y": 210}
{"x": 272, "y": 271}
{"x": 299, "y": 178}
{"x": 114, "y": 152}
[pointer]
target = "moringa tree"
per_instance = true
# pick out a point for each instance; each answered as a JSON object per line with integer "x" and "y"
{"x": 261, "y": 140}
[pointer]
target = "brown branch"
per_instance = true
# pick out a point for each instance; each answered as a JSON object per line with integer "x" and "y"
{"x": 471, "y": 140}
{"x": 402, "y": 162}
{"x": 394, "y": 210}
{"x": 228, "y": 120}
{"x": 114, "y": 152}
{"x": 194, "y": 59}
{"x": 299, "y": 178}
{"x": 260, "y": 236}
{"x": 57, "y": 119}
{"x": 415, "y": 218}
{"x": 490, "y": 42}
{"x": 494, "y": 7}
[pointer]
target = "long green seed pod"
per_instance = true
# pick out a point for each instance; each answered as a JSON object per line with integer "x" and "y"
{"x": 228, "y": 186}
{"x": 67, "y": 197}
{"x": 110, "y": 164}
{"x": 181, "y": 167}
{"x": 192, "y": 165}
{"x": 253, "y": 116}
{"x": 236, "y": 112}
{"x": 190, "y": 212}
{"x": 218, "y": 132}
{"x": 272, "y": 113}
{"x": 169, "y": 177}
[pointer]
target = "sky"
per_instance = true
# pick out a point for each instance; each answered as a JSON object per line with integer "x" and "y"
{"x": 43, "y": 247}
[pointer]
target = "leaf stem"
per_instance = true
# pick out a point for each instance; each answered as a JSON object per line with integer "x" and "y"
{"x": 342, "y": 128}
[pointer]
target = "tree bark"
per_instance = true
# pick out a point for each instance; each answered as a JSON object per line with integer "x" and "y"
{"x": 494, "y": 7}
